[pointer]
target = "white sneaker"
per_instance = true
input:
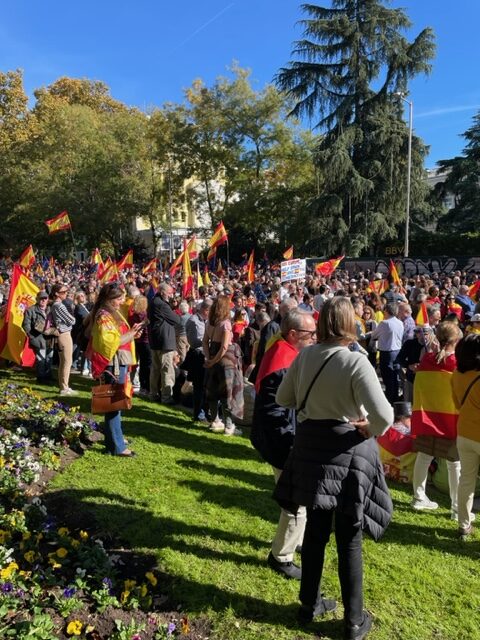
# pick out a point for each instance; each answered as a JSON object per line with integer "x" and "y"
{"x": 233, "y": 431}
{"x": 424, "y": 505}
{"x": 217, "y": 426}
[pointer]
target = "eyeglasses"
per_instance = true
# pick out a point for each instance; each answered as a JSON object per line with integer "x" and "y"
{"x": 312, "y": 333}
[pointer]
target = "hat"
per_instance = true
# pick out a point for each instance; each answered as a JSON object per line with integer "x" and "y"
{"x": 42, "y": 295}
{"x": 402, "y": 409}
{"x": 475, "y": 317}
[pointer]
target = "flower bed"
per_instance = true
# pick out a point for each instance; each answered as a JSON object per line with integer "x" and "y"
{"x": 56, "y": 582}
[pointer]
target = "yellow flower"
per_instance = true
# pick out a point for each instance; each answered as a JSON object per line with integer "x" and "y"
{"x": 143, "y": 590}
{"x": 25, "y": 574}
{"x": 83, "y": 535}
{"x": 39, "y": 537}
{"x": 151, "y": 578}
{"x": 75, "y": 543}
{"x": 4, "y": 536}
{"x": 2, "y": 461}
{"x": 129, "y": 584}
{"x": 27, "y": 535}
{"x": 62, "y": 552}
{"x": 63, "y": 531}
{"x": 29, "y": 556}
{"x": 74, "y": 628}
{"x": 124, "y": 596}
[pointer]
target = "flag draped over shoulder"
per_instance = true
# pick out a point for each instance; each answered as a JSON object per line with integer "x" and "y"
{"x": 328, "y": 267}
{"x": 187, "y": 277}
{"x": 288, "y": 253}
{"x": 58, "y": 223}
{"x": 13, "y": 340}
{"x": 27, "y": 257}
{"x": 251, "y": 267}
{"x": 279, "y": 355}
{"x": 434, "y": 412}
{"x": 126, "y": 262}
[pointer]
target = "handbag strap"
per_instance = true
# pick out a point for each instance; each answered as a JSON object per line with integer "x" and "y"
{"x": 468, "y": 390}
{"x": 302, "y": 406}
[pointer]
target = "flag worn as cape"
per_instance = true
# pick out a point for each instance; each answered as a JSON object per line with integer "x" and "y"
{"x": 288, "y": 253}
{"x": 279, "y": 356}
{"x": 328, "y": 267}
{"x": 105, "y": 342}
{"x": 58, "y": 223}
{"x": 13, "y": 340}
{"x": 434, "y": 412}
{"x": 27, "y": 257}
{"x": 251, "y": 267}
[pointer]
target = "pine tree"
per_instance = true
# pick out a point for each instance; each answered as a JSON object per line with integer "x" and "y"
{"x": 354, "y": 63}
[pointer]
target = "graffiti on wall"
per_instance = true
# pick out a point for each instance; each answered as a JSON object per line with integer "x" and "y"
{"x": 415, "y": 266}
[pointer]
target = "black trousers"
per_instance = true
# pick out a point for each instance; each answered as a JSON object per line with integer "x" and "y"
{"x": 389, "y": 371}
{"x": 350, "y": 563}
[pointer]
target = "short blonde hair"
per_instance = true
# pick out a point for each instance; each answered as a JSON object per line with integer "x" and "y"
{"x": 336, "y": 321}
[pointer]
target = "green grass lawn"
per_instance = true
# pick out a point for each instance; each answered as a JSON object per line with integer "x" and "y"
{"x": 201, "y": 504}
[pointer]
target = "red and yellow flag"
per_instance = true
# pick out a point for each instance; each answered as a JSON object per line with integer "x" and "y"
{"x": 394, "y": 274}
{"x": 473, "y": 290}
{"x": 13, "y": 340}
{"x": 422, "y": 316}
{"x": 110, "y": 274}
{"x": 150, "y": 267}
{"x": 206, "y": 276}
{"x": 220, "y": 236}
{"x": 192, "y": 254}
{"x": 251, "y": 267}
{"x": 126, "y": 262}
{"x": 187, "y": 277}
{"x": 377, "y": 286}
{"x": 288, "y": 253}
{"x": 96, "y": 258}
{"x": 58, "y": 223}
{"x": 199, "y": 276}
{"x": 328, "y": 267}
{"x": 27, "y": 257}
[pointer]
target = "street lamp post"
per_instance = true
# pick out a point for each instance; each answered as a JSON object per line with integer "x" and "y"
{"x": 409, "y": 170}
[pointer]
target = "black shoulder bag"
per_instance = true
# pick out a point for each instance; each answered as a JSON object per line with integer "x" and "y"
{"x": 302, "y": 406}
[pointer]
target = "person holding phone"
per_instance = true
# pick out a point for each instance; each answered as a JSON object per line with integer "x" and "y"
{"x": 112, "y": 350}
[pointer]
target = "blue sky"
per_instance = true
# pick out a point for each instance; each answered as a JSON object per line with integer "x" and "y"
{"x": 148, "y": 51}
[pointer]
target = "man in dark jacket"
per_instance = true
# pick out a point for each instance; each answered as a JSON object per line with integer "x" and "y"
{"x": 34, "y": 325}
{"x": 163, "y": 343}
{"x": 273, "y": 429}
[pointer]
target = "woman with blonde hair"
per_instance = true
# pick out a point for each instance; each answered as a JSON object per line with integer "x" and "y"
{"x": 434, "y": 414}
{"x": 112, "y": 350}
{"x": 333, "y": 467}
{"x": 223, "y": 361}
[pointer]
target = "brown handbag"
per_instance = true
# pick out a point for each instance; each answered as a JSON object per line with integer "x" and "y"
{"x": 107, "y": 398}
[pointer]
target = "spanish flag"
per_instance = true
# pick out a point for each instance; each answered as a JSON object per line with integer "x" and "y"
{"x": 27, "y": 257}
{"x": 251, "y": 267}
{"x": 473, "y": 290}
{"x": 220, "y": 236}
{"x": 377, "y": 286}
{"x": 394, "y": 274}
{"x": 126, "y": 262}
{"x": 58, "y": 223}
{"x": 150, "y": 267}
{"x": 192, "y": 254}
{"x": 187, "y": 277}
{"x": 13, "y": 340}
{"x": 206, "y": 276}
{"x": 434, "y": 412}
{"x": 110, "y": 274}
{"x": 288, "y": 253}
{"x": 96, "y": 258}
{"x": 199, "y": 276}
{"x": 422, "y": 316}
{"x": 328, "y": 267}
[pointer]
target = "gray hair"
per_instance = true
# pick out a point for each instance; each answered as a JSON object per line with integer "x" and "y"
{"x": 286, "y": 305}
{"x": 262, "y": 318}
{"x": 391, "y": 308}
{"x": 293, "y": 319}
{"x": 184, "y": 307}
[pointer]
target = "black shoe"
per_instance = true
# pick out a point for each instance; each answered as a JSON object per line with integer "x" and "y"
{"x": 359, "y": 631}
{"x": 288, "y": 569}
{"x": 306, "y": 614}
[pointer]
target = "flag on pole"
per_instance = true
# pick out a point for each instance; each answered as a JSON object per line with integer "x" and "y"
{"x": 206, "y": 276}
{"x": 27, "y": 258}
{"x": 473, "y": 290}
{"x": 150, "y": 267}
{"x": 288, "y": 253}
{"x": 192, "y": 254}
{"x": 13, "y": 340}
{"x": 199, "y": 276}
{"x": 328, "y": 267}
{"x": 126, "y": 262}
{"x": 377, "y": 286}
{"x": 110, "y": 274}
{"x": 220, "y": 236}
{"x": 187, "y": 277}
{"x": 394, "y": 274}
{"x": 251, "y": 267}
{"x": 422, "y": 316}
{"x": 96, "y": 257}
{"x": 58, "y": 223}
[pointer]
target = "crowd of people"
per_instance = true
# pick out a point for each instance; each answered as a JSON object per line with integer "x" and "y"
{"x": 335, "y": 361}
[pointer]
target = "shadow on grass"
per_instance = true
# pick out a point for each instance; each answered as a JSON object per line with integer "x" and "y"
{"x": 258, "y": 480}
{"x": 141, "y": 529}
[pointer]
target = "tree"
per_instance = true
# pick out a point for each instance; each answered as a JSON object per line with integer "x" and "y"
{"x": 354, "y": 60}
{"x": 464, "y": 182}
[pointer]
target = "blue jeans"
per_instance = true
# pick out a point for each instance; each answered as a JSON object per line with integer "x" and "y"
{"x": 389, "y": 371}
{"x": 114, "y": 440}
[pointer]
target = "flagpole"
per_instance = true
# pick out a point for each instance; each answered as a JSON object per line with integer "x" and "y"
{"x": 228, "y": 259}
{"x": 73, "y": 243}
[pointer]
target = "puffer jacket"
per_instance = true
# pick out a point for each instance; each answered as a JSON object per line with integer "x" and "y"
{"x": 331, "y": 466}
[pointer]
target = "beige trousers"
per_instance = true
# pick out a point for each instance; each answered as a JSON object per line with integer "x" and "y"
{"x": 290, "y": 530}
{"x": 65, "y": 352}
{"x": 162, "y": 374}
